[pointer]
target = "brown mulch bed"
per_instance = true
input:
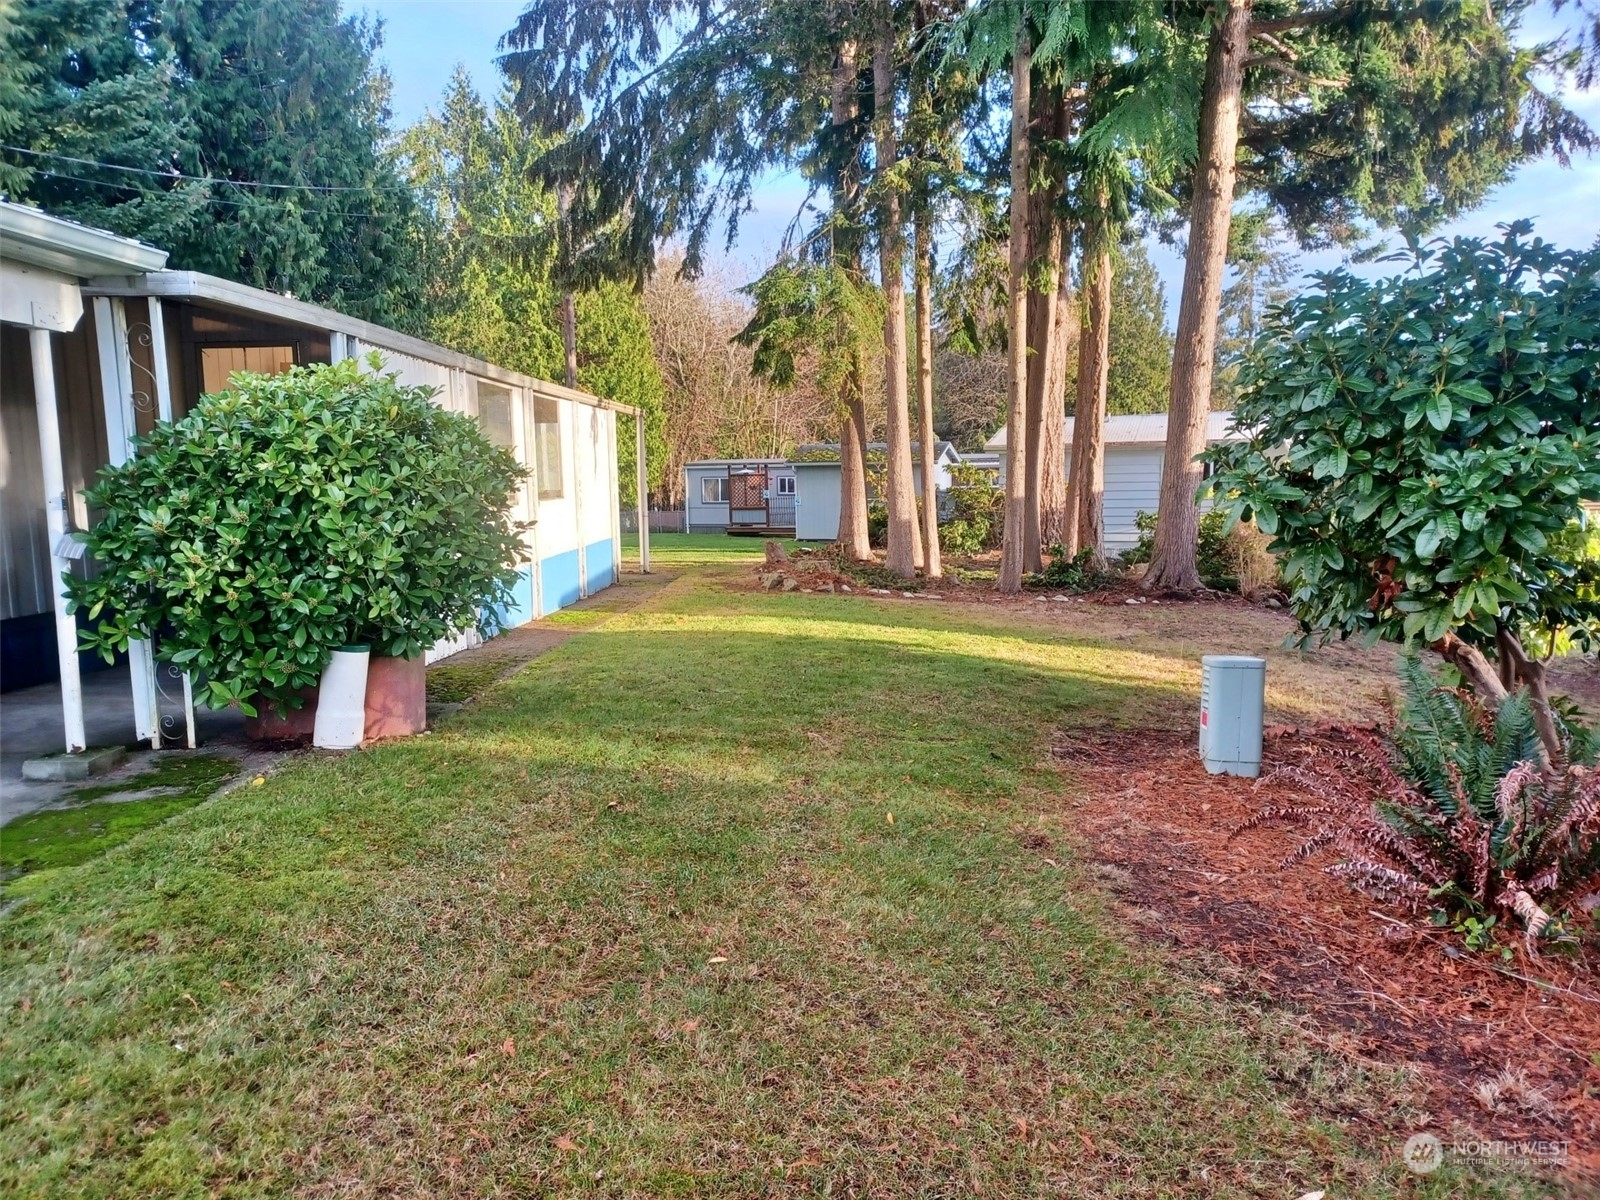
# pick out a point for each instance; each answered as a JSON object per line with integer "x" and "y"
{"x": 1378, "y": 984}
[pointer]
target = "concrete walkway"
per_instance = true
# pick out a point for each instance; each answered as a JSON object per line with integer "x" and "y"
{"x": 30, "y": 727}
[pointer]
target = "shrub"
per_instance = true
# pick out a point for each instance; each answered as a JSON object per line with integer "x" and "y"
{"x": 1230, "y": 560}
{"x": 293, "y": 514}
{"x": 1420, "y": 449}
{"x": 974, "y": 516}
{"x": 1074, "y": 574}
{"x": 1467, "y": 819}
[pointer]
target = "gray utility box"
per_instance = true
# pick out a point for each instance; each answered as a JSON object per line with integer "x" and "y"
{"x": 1233, "y": 698}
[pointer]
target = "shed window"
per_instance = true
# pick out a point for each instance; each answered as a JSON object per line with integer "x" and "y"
{"x": 494, "y": 415}
{"x": 785, "y": 485}
{"x": 714, "y": 489}
{"x": 547, "y": 447}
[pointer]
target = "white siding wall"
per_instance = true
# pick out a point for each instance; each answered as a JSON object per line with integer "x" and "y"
{"x": 1133, "y": 482}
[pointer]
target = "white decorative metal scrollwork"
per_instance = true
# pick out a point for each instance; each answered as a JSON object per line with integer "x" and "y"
{"x": 144, "y": 398}
{"x": 174, "y": 685}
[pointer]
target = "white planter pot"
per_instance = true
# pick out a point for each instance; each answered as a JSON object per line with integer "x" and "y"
{"x": 342, "y": 700}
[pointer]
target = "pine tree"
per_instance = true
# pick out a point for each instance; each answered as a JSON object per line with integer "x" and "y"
{"x": 1337, "y": 112}
{"x": 489, "y": 250}
{"x": 173, "y": 88}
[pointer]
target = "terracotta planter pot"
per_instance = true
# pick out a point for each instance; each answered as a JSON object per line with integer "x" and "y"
{"x": 298, "y": 726}
{"x": 397, "y": 697}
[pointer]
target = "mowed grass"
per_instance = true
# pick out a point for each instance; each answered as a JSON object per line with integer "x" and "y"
{"x": 639, "y": 924}
{"x": 675, "y": 551}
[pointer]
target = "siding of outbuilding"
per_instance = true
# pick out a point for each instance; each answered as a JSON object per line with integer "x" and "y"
{"x": 816, "y": 502}
{"x": 1133, "y": 483}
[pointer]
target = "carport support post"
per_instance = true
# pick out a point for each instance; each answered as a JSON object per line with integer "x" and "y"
{"x": 642, "y": 479}
{"x": 55, "y": 516}
{"x": 116, "y": 390}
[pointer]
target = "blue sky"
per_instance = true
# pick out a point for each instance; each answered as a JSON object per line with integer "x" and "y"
{"x": 424, "y": 40}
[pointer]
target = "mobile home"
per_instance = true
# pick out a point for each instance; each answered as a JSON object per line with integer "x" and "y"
{"x": 739, "y": 495}
{"x": 101, "y": 341}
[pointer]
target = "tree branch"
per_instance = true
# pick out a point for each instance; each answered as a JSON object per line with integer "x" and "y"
{"x": 1474, "y": 667}
{"x": 1284, "y": 68}
{"x": 1531, "y": 673}
{"x": 1304, "y": 20}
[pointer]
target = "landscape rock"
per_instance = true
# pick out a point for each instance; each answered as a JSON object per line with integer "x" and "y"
{"x": 845, "y": 587}
{"x": 771, "y": 581}
{"x": 776, "y": 554}
{"x": 791, "y": 585}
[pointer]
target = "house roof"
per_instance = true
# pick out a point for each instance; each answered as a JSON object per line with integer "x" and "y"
{"x": 1140, "y": 429}
{"x": 30, "y": 236}
{"x": 737, "y": 462}
{"x": 942, "y": 450}
{"x": 225, "y": 293}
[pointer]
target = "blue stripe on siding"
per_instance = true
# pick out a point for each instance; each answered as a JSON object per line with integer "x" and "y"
{"x": 559, "y": 580}
{"x": 521, "y": 610}
{"x": 602, "y": 573}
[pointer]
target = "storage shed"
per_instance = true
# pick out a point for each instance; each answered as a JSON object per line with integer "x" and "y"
{"x": 100, "y": 342}
{"x": 817, "y": 469}
{"x": 1136, "y": 447}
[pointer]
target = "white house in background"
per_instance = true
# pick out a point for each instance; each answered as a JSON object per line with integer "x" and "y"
{"x": 99, "y": 342}
{"x": 1135, "y": 449}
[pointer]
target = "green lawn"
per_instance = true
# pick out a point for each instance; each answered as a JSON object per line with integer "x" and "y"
{"x": 673, "y": 551}
{"x": 638, "y": 923}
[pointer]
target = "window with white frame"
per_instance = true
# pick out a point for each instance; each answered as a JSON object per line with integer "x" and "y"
{"x": 714, "y": 489}
{"x": 785, "y": 485}
{"x": 547, "y": 448}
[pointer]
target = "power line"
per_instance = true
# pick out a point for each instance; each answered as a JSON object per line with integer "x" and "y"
{"x": 243, "y": 183}
{"x": 210, "y": 200}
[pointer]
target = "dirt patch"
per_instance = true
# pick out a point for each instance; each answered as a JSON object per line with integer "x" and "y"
{"x": 1507, "y": 1050}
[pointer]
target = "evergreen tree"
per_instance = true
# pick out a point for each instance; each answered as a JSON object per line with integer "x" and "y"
{"x": 489, "y": 252}
{"x": 1262, "y": 267}
{"x": 1141, "y": 347}
{"x": 201, "y": 101}
{"x": 1336, "y": 113}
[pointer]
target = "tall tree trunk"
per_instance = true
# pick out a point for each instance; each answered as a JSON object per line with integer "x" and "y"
{"x": 853, "y": 531}
{"x": 569, "y": 302}
{"x": 922, "y": 282}
{"x": 1054, "y": 516}
{"x": 1044, "y": 239}
{"x": 1174, "y": 560}
{"x": 1088, "y": 426}
{"x": 905, "y": 540}
{"x": 1014, "y": 538}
